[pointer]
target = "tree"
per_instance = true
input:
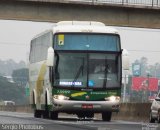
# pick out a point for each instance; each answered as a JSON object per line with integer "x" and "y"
{"x": 10, "y": 91}
{"x": 21, "y": 76}
{"x": 144, "y": 66}
{"x": 146, "y": 71}
{"x": 155, "y": 70}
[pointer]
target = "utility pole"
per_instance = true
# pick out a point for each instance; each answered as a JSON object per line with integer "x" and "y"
{"x": 125, "y": 66}
{"x": 124, "y": 90}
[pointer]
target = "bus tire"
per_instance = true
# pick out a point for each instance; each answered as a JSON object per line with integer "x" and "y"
{"x": 54, "y": 115}
{"x": 106, "y": 116}
{"x": 37, "y": 113}
{"x": 46, "y": 111}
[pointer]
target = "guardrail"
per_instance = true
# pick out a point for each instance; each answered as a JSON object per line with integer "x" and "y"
{"x": 8, "y": 108}
{"x": 133, "y": 112}
{"x": 129, "y": 3}
{"x": 149, "y": 3}
{"x": 17, "y": 108}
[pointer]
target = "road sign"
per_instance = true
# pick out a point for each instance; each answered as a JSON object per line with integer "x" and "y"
{"x": 136, "y": 69}
{"x": 27, "y": 89}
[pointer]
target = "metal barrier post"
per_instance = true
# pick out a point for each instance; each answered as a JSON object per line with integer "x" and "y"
{"x": 127, "y": 1}
{"x": 92, "y": 1}
{"x": 152, "y": 2}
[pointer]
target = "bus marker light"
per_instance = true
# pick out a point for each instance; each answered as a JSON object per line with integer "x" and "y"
{"x": 113, "y": 98}
{"x": 61, "y": 97}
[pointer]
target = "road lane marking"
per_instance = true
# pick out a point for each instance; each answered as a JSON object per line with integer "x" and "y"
{"x": 104, "y": 128}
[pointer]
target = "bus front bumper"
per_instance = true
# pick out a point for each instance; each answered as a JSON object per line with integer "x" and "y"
{"x": 94, "y": 106}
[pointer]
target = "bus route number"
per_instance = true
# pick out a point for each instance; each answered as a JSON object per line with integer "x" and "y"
{"x": 63, "y": 91}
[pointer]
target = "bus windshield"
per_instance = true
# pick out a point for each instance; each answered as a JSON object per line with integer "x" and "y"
{"x": 94, "y": 42}
{"x": 87, "y": 60}
{"x": 92, "y": 70}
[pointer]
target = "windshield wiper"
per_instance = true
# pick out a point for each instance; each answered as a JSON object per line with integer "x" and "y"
{"x": 77, "y": 75}
{"x": 105, "y": 74}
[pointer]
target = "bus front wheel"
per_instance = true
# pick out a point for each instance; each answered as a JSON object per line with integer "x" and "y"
{"x": 106, "y": 116}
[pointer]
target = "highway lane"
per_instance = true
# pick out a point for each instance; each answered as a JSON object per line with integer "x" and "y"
{"x": 26, "y": 121}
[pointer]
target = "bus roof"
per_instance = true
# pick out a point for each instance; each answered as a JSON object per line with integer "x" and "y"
{"x": 79, "y": 26}
{"x": 83, "y": 26}
{"x": 80, "y": 23}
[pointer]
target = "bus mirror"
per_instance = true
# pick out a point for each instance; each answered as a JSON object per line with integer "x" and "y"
{"x": 50, "y": 57}
{"x": 125, "y": 59}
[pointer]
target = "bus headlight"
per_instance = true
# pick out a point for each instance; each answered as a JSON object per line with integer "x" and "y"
{"x": 61, "y": 97}
{"x": 113, "y": 98}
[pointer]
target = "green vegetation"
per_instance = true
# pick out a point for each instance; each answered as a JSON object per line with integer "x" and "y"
{"x": 21, "y": 76}
{"x": 11, "y": 91}
{"x": 147, "y": 71}
{"x": 8, "y": 66}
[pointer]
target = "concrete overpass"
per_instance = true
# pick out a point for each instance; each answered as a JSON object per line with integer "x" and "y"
{"x": 57, "y": 10}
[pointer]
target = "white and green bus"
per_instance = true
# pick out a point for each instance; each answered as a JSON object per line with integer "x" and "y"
{"x": 76, "y": 68}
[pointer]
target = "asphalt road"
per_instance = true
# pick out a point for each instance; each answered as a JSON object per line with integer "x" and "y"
{"x": 26, "y": 121}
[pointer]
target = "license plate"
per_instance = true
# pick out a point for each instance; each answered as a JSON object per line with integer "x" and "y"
{"x": 87, "y": 106}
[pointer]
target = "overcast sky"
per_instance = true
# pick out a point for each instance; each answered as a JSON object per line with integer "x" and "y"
{"x": 15, "y": 38}
{"x": 141, "y": 42}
